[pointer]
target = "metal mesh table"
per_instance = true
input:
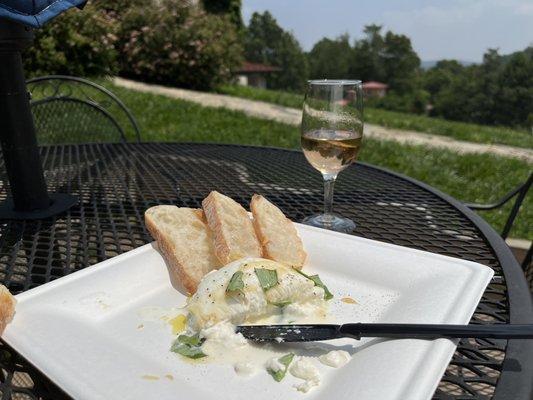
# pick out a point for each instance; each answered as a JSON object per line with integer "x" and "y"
{"x": 116, "y": 183}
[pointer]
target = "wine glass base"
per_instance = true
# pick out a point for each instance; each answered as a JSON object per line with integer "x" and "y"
{"x": 332, "y": 222}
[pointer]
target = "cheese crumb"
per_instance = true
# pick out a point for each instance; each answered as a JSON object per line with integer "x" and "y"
{"x": 335, "y": 358}
{"x": 244, "y": 369}
{"x": 303, "y": 368}
{"x": 224, "y": 333}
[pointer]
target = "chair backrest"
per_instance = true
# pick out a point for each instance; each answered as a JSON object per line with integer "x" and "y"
{"x": 71, "y": 110}
{"x": 520, "y": 192}
{"x": 527, "y": 264}
{"x": 68, "y": 120}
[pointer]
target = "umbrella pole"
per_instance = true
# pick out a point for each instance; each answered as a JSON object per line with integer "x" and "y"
{"x": 29, "y": 198}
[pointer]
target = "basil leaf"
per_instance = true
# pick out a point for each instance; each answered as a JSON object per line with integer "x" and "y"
{"x": 318, "y": 282}
{"x": 235, "y": 283}
{"x": 280, "y": 374}
{"x": 188, "y": 351}
{"x": 316, "y": 279}
{"x": 188, "y": 346}
{"x": 281, "y": 304}
{"x": 267, "y": 277}
{"x": 193, "y": 340}
{"x": 286, "y": 359}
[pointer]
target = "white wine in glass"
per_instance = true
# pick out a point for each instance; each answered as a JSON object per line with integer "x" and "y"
{"x": 331, "y": 136}
{"x": 331, "y": 151}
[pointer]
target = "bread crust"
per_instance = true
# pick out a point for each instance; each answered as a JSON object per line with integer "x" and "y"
{"x": 7, "y": 307}
{"x": 209, "y": 207}
{"x": 168, "y": 250}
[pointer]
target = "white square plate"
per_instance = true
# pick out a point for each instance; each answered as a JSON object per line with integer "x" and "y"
{"x": 83, "y": 330}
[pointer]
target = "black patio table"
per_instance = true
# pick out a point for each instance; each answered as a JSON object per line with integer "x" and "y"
{"x": 116, "y": 183}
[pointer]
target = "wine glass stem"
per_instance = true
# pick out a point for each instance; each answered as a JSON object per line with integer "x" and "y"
{"x": 329, "y": 183}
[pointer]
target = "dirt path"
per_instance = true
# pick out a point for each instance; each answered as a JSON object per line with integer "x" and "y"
{"x": 292, "y": 116}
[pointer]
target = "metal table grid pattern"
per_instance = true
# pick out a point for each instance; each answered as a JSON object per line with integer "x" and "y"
{"x": 116, "y": 183}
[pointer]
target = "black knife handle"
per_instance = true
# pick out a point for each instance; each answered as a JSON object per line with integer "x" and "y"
{"x": 426, "y": 331}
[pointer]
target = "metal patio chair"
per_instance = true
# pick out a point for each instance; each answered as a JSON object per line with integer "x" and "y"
{"x": 520, "y": 192}
{"x": 69, "y": 110}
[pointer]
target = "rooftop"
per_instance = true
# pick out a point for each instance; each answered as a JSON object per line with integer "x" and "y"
{"x": 248, "y": 67}
{"x": 374, "y": 85}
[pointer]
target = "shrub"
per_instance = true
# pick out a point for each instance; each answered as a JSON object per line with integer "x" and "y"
{"x": 176, "y": 43}
{"x": 77, "y": 43}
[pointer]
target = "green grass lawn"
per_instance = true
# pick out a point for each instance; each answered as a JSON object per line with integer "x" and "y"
{"x": 472, "y": 178}
{"x": 391, "y": 119}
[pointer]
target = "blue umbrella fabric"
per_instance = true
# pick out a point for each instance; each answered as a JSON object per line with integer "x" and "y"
{"x": 35, "y": 13}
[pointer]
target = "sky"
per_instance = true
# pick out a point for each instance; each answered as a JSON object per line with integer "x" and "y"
{"x": 452, "y": 29}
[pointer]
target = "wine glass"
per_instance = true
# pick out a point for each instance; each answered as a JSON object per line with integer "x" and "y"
{"x": 331, "y": 135}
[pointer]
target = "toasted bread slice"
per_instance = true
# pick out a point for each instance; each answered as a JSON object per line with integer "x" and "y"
{"x": 7, "y": 307}
{"x": 185, "y": 241}
{"x": 277, "y": 233}
{"x": 232, "y": 228}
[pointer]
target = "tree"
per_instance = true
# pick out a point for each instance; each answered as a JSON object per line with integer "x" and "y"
{"x": 497, "y": 92}
{"x": 514, "y": 102}
{"x": 400, "y": 63}
{"x": 441, "y": 75}
{"x": 230, "y": 7}
{"x": 366, "y": 58}
{"x": 453, "y": 100}
{"x": 266, "y": 42}
{"x": 390, "y": 59}
{"x": 486, "y": 88}
{"x": 330, "y": 59}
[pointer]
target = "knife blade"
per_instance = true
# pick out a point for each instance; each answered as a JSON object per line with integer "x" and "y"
{"x": 318, "y": 332}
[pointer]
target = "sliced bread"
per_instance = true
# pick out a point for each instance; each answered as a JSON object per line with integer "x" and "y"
{"x": 185, "y": 241}
{"x": 232, "y": 228}
{"x": 7, "y": 307}
{"x": 276, "y": 233}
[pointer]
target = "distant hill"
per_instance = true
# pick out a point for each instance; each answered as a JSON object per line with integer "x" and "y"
{"x": 431, "y": 63}
{"x": 505, "y": 57}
